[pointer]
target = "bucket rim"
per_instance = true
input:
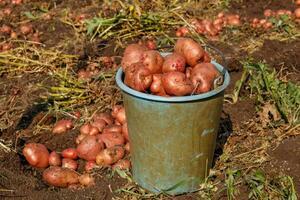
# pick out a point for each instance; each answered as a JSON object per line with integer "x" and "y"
{"x": 151, "y": 97}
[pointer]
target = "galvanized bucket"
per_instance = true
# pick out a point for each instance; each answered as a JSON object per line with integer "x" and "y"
{"x": 172, "y": 138}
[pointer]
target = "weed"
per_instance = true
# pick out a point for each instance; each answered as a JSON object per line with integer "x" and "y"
{"x": 266, "y": 86}
{"x": 261, "y": 187}
{"x": 230, "y": 182}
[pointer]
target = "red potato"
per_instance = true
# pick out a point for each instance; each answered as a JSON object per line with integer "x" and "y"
{"x": 69, "y": 163}
{"x": 104, "y": 116}
{"x": 210, "y": 29}
{"x": 62, "y": 126}
{"x": 7, "y": 11}
{"x": 118, "y": 112}
{"x": 88, "y": 129}
{"x": 16, "y": 2}
{"x": 132, "y": 54}
{"x": 178, "y": 33}
{"x": 129, "y": 74}
{"x": 125, "y": 131}
{"x": 6, "y": 46}
{"x": 26, "y": 29}
{"x": 122, "y": 164}
{"x": 288, "y": 12}
{"x": 138, "y": 77}
{"x": 263, "y": 21}
{"x": 36, "y": 154}
{"x": 110, "y": 156}
{"x": 297, "y": 13}
{"x": 142, "y": 79}
{"x": 90, "y": 165}
{"x": 99, "y": 124}
{"x": 221, "y": 15}
{"x": 234, "y": 22}
{"x": 79, "y": 138}
{"x": 86, "y": 180}
{"x": 151, "y": 44}
{"x": 60, "y": 177}
{"x": 112, "y": 128}
{"x": 174, "y": 62}
{"x": 190, "y": 50}
{"x": 182, "y": 31}
{"x": 200, "y": 28}
{"x": 218, "y": 21}
{"x": 268, "y": 13}
{"x": 255, "y": 21}
{"x": 267, "y": 25}
{"x": 127, "y": 147}
{"x": 84, "y": 75}
{"x": 69, "y": 153}
{"x": 112, "y": 139}
{"x": 54, "y": 159}
{"x": 6, "y": 29}
{"x": 13, "y": 35}
{"x": 177, "y": 84}
{"x": 89, "y": 147}
{"x": 203, "y": 76}
{"x": 157, "y": 86}
{"x": 153, "y": 61}
{"x": 85, "y": 129}
{"x": 281, "y": 12}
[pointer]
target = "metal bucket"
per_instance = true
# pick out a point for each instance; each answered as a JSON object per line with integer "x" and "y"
{"x": 172, "y": 138}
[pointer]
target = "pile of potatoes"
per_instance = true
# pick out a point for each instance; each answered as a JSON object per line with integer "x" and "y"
{"x": 266, "y": 24}
{"x": 211, "y": 28}
{"x": 102, "y": 142}
{"x": 185, "y": 71}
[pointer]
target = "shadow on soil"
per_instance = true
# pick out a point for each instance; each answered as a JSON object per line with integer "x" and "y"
{"x": 224, "y": 132}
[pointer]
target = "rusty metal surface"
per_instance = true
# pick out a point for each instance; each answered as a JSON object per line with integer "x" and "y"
{"x": 172, "y": 144}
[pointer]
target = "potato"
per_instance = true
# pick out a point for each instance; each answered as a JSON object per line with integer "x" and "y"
{"x": 127, "y": 147}
{"x": 99, "y": 124}
{"x": 86, "y": 180}
{"x": 60, "y": 177}
{"x": 156, "y": 87}
{"x": 138, "y": 77}
{"x": 110, "y": 156}
{"x": 79, "y": 138}
{"x": 153, "y": 61}
{"x": 69, "y": 163}
{"x": 203, "y": 76}
{"x": 176, "y": 83}
{"x": 174, "y": 62}
{"x": 89, "y": 148}
{"x": 54, "y": 159}
{"x": 122, "y": 164}
{"x": 69, "y": 153}
{"x": 118, "y": 112}
{"x": 112, "y": 128}
{"x": 90, "y": 165}
{"x": 111, "y": 139}
{"x": 104, "y": 116}
{"x": 132, "y": 54}
{"x": 190, "y": 50}
{"x": 62, "y": 126}
{"x": 36, "y": 154}
{"x": 88, "y": 129}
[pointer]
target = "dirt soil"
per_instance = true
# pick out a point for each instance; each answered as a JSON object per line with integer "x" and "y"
{"x": 20, "y": 181}
{"x": 285, "y": 159}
